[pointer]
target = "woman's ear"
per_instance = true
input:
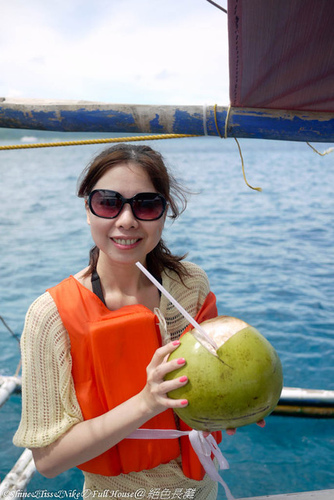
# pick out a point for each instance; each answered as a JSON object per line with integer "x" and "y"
{"x": 87, "y": 212}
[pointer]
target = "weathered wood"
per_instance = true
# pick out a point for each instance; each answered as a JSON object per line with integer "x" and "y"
{"x": 310, "y": 495}
{"x": 19, "y": 477}
{"x": 294, "y": 401}
{"x": 8, "y": 385}
{"x": 309, "y": 396}
{"x": 83, "y": 116}
{"x": 305, "y": 403}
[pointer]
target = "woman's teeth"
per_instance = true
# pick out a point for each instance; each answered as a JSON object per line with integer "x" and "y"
{"x": 125, "y": 242}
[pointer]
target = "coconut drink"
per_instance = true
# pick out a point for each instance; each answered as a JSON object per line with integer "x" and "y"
{"x": 236, "y": 383}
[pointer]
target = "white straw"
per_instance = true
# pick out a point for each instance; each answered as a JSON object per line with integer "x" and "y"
{"x": 177, "y": 305}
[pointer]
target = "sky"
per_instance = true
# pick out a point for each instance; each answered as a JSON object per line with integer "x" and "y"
{"x": 116, "y": 51}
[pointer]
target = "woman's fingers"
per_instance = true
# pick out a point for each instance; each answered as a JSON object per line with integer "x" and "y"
{"x": 231, "y": 432}
{"x": 157, "y": 388}
{"x": 169, "y": 366}
{"x": 162, "y": 353}
{"x": 160, "y": 366}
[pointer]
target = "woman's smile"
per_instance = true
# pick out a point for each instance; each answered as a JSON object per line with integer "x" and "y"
{"x": 126, "y": 243}
{"x": 124, "y": 238}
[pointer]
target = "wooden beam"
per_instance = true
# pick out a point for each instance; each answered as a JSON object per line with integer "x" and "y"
{"x": 309, "y": 495}
{"x": 19, "y": 477}
{"x": 84, "y": 116}
{"x": 298, "y": 402}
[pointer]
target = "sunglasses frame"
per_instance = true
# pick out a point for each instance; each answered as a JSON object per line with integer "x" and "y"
{"x": 129, "y": 201}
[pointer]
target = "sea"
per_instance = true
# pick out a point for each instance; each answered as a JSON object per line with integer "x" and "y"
{"x": 268, "y": 255}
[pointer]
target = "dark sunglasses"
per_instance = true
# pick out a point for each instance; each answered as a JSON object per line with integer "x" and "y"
{"x": 108, "y": 204}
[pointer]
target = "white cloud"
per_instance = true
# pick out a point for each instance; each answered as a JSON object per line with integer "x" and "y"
{"x": 148, "y": 51}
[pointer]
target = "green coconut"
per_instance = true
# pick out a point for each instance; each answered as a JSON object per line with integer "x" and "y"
{"x": 238, "y": 384}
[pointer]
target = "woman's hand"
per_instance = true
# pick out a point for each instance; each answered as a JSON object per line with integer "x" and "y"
{"x": 155, "y": 392}
{"x": 93, "y": 437}
{"x": 231, "y": 432}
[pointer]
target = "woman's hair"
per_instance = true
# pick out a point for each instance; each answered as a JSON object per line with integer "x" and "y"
{"x": 152, "y": 162}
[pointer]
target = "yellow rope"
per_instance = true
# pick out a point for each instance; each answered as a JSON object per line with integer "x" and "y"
{"x": 243, "y": 168}
{"x": 18, "y": 369}
{"x": 227, "y": 119}
{"x": 96, "y": 141}
{"x": 216, "y": 121}
{"x": 327, "y": 152}
{"x": 236, "y": 140}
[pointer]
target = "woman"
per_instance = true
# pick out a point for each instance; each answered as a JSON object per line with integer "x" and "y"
{"x": 93, "y": 357}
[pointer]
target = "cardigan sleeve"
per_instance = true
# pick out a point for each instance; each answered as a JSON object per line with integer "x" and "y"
{"x": 49, "y": 404}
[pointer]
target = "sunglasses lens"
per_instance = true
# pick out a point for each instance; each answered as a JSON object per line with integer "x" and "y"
{"x": 105, "y": 204}
{"x": 148, "y": 206}
{"x": 108, "y": 204}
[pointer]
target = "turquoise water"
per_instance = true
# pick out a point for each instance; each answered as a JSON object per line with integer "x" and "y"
{"x": 269, "y": 257}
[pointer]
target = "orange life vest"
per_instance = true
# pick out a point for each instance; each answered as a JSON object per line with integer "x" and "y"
{"x": 110, "y": 352}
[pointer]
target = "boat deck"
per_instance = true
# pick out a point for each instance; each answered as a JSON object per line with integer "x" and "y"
{"x": 309, "y": 495}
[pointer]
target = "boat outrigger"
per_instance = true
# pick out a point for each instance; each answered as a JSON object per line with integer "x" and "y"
{"x": 281, "y": 88}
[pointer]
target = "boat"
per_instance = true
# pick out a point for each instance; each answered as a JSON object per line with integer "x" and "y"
{"x": 281, "y": 85}
{"x": 275, "y": 93}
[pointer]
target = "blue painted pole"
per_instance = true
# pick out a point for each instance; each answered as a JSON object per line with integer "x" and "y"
{"x": 76, "y": 116}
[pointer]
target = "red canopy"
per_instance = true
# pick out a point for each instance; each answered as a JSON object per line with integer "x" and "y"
{"x": 282, "y": 54}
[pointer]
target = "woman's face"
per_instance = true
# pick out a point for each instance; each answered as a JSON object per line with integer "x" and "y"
{"x": 125, "y": 239}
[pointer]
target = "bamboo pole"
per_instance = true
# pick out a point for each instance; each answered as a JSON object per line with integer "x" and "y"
{"x": 19, "y": 477}
{"x": 305, "y": 403}
{"x": 84, "y": 116}
{"x": 308, "y": 495}
{"x": 294, "y": 401}
{"x": 7, "y": 387}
